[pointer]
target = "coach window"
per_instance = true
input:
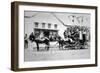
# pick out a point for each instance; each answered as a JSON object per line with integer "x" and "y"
{"x": 36, "y": 24}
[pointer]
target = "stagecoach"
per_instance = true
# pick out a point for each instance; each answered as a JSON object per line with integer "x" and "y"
{"x": 77, "y": 39}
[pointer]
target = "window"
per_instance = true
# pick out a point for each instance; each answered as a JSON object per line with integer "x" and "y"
{"x": 43, "y": 25}
{"x": 36, "y": 24}
{"x": 49, "y": 25}
{"x": 55, "y": 26}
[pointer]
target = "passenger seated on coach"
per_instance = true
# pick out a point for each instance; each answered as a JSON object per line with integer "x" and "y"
{"x": 68, "y": 37}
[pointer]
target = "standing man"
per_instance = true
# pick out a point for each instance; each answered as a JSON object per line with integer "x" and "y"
{"x": 25, "y": 41}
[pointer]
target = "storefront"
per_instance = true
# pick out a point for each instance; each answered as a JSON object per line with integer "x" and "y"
{"x": 48, "y": 27}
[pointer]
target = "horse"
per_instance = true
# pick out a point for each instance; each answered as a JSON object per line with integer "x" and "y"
{"x": 44, "y": 40}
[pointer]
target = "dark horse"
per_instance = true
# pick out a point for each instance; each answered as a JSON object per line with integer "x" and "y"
{"x": 45, "y": 41}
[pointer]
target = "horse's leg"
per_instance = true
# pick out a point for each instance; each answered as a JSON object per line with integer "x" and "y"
{"x": 45, "y": 44}
{"x": 62, "y": 45}
{"x": 59, "y": 45}
{"x": 47, "y": 47}
{"x": 37, "y": 46}
{"x": 48, "y": 44}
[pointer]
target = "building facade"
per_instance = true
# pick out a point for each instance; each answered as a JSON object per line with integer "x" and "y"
{"x": 38, "y": 22}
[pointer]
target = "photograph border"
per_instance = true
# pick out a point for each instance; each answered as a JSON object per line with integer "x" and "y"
{"x": 15, "y": 34}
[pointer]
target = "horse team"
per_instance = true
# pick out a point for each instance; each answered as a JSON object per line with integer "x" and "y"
{"x": 74, "y": 38}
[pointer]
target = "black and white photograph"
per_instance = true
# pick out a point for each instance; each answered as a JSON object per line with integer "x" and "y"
{"x": 52, "y": 36}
